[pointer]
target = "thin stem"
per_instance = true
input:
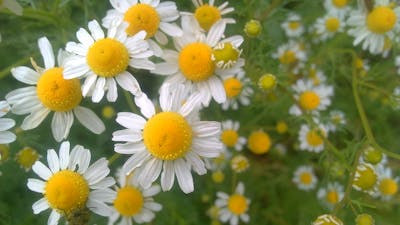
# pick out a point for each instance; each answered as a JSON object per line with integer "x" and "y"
{"x": 129, "y": 100}
{"x": 113, "y": 158}
{"x": 371, "y": 86}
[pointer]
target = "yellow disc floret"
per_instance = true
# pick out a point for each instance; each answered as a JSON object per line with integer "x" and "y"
{"x": 365, "y": 177}
{"x": 340, "y": 3}
{"x": 225, "y": 55}
{"x": 253, "y": 28}
{"x": 259, "y": 142}
{"x": 167, "y": 135}
{"x": 229, "y": 137}
{"x": 207, "y": 15}
{"x": 129, "y": 201}
{"x": 288, "y": 57}
{"x": 306, "y": 178}
{"x": 56, "y": 93}
{"x": 294, "y": 25}
{"x": 267, "y": 82}
{"x": 314, "y": 138}
{"x": 66, "y": 191}
{"x": 195, "y": 62}
{"x": 233, "y": 87}
{"x": 142, "y": 17}
{"x": 381, "y": 19}
{"x": 365, "y": 219}
{"x": 27, "y": 157}
{"x": 309, "y": 100}
{"x": 388, "y": 187}
{"x": 332, "y": 24}
{"x": 237, "y": 204}
{"x": 327, "y": 219}
{"x": 108, "y": 57}
{"x": 332, "y": 197}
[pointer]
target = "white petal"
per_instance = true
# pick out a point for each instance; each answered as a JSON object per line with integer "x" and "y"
{"x": 105, "y": 183}
{"x": 141, "y": 64}
{"x": 84, "y": 37}
{"x": 191, "y": 104}
{"x": 36, "y": 185}
{"x": 99, "y": 89}
{"x": 216, "y": 32}
{"x": 89, "y": 119}
{"x": 183, "y": 175}
{"x": 127, "y": 135}
{"x": 146, "y": 105}
{"x": 26, "y": 105}
{"x": 112, "y": 93}
{"x": 25, "y": 75}
{"x": 167, "y": 176}
{"x": 83, "y": 160}
{"x": 153, "y": 190}
{"x": 150, "y": 172}
{"x": 41, "y": 170}
{"x": 95, "y": 30}
{"x": 47, "y": 52}
{"x": 7, "y": 137}
{"x": 88, "y": 84}
{"x": 61, "y": 125}
{"x": 165, "y": 68}
{"x": 207, "y": 147}
{"x": 40, "y": 205}
{"x": 217, "y": 89}
{"x": 34, "y": 119}
{"x": 64, "y": 155}
{"x": 129, "y": 148}
{"x": 128, "y": 82}
{"x": 135, "y": 161}
{"x": 131, "y": 120}
{"x": 75, "y": 68}
{"x": 53, "y": 161}
{"x": 206, "y": 128}
{"x": 53, "y": 218}
{"x": 6, "y": 123}
{"x": 171, "y": 29}
{"x": 153, "y": 206}
{"x": 97, "y": 171}
{"x": 76, "y": 48}
{"x": 103, "y": 195}
{"x": 20, "y": 93}
{"x": 196, "y": 162}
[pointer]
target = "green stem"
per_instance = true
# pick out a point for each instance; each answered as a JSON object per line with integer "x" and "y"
{"x": 371, "y": 86}
{"x": 6, "y": 71}
{"x": 129, "y": 100}
{"x": 113, "y": 158}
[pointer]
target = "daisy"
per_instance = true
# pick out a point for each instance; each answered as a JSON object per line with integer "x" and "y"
{"x": 193, "y": 65}
{"x": 341, "y": 6}
{"x": 132, "y": 202}
{"x": 336, "y": 119}
{"x": 312, "y": 138}
{"x": 331, "y": 194}
{"x": 230, "y": 137}
{"x": 50, "y": 92}
{"x": 291, "y": 56}
{"x": 310, "y": 98}
{"x": 233, "y": 207}
{"x": 207, "y": 14}
{"x": 104, "y": 61}
{"x": 316, "y": 75}
{"x": 329, "y": 25}
{"x": 293, "y": 26}
{"x": 70, "y": 185}
{"x": 305, "y": 178}
{"x": 237, "y": 89}
{"x": 327, "y": 219}
{"x": 5, "y": 124}
{"x": 365, "y": 178}
{"x": 372, "y": 27}
{"x": 387, "y": 184}
{"x": 171, "y": 142}
{"x": 240, "y": 163}
{"x": 154, "y": 17}
{"x": 373, "y": 156}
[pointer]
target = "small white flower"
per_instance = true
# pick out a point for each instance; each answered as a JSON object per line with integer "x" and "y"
{"x": 207, "y": 14}
{"x": 230, "y": 135}
{"x": 387, "y": 185}
{"x": 312, "y": 139}
{"x": 238, "y": 90}
{"x": 292, "y": 56}
{"x": 293, "y": 26}
{"x": 329, "y": 25}
{"x": 331, "y": 194}
{"x": 305, "y": 178}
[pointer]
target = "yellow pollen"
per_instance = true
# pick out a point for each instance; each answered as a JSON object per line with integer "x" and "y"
{"x": 206, "y": 15}
{"x": 142, "y": 17}
{"x": 237, "y": 204}
{"x": 259, "y": 142}
{"x": 388, "y": 186}
{"x": 332, "y": 197}
{"x": 340, "y": 3}
{"x": 129, "y": 201}
{"x": 27, "y": 157}
{"x": 56, "y": 93}
{"x": 66, "y": 191}
{"x": 314, "y": 138}
{"x": 309, "y": 100}
{"x": 381, "y": 19}
{"x": 107, "y": 57}
{"x": 108, "y": 112}
{"x": 294, "y": 25}
{"x": 167, "y": 136}
{"x": 332, "y": 24}
{"x": 288, "y": 57}
{"x": 365, "y": 177}
{"x": 233, "y": 87}
{"x": 195, "y": 62}
{"x": 225, "y": 55}
{"x": 229, "y": 137}
{"x": 306, "y": 178}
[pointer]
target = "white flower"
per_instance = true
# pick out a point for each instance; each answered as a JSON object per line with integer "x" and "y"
{"x": 329, "y": 25}
{"x": 171, "y": 142}
{"x": 50, "y": 92}
{"x": 338, "y": 6}
{"x": 331, "y": 195}
{"x": 305, "y": 178}
{"x": 5, "y": 124}
{"x": 154, "y": 17}
{"x": 387, "y": 185}
{"x": 336, "y": 118}
{"x": 69, "y": 184}
{"x": 103, "y": 61}
{"x": 230, "y": 136}
{"x": 237, "y": 89}
{"x": 293, "y": 26}
{"x": 312, "y": 139}
{"x": 233, "y": 207}
{"x": 207, "y": 14}
{"x": 291, "y": 56}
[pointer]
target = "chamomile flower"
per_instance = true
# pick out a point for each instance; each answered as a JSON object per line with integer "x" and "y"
{"x": 5, "y": 124}
{"x": 50, "y": 92}
{"x": 238, "y": 90}
{"x": 329, "y": 25}
{"x": 331, "y": 194}
{"x": 292, "y": 56}
{"x": 293, "y": 26}
{"x": 240, "y": 163}
{"x": 373, "y": 156}
{"x": 387, "y": 184}
{"x": 312, "y": 138}
{"x": 316, "y": 75}
{"x": 103, "y": 61}
{"x": 69, "y": 185}
{"x": 365, "y": 178}
{"x": 132, "y": 202}
{"x": 193, "y": 65}
{"x": 341, "y": 6}
{"x": 310, "y": 98}
{"x": 305, "y": 178}
{"x": 336, "y": 119}
{"x": 372, "y": 27}
{"x": 327, "y": 219}
{"x": 154, "y": 17}
{"x": 207, "y": 14}
{"x": 171, "y": 142}
{"x": 233, "y": 207}
{"x": 230, "y": 136}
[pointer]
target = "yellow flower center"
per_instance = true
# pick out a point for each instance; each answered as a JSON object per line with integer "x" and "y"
{"x": 218, "y": 176}
{"x": 233, "y": 87}
{"x": 332, "y": 24}
{"x": 129, "y": 201}
{"x": 332, "y": 197}
{"x": 142, "y": 17}
{"x": 381, "y": 19}
{"x": 107, "y": 57}
{"x": 281, "y": 127}
{"x": 253, "y": 28}
{"x": 237, "y": 204}
{"x": 372, "y": 155}
{"x": 267, "y": 82}
{"x": 314, "y": 138}
{"x": 365, "y": 177}
{"x": 66, "y": 191}
{"x": 4, "y": 152}
{"x": 388, "y": 186}
{"x": 27, "y": 157}
{"x": 365, "y": 219}
{"x": 167, "y": 135}
{"x": 259, "y": 142}
{"x": 288, "y": 57}
{"x": 306, "y": 178}
{"x": 229, "y": 137}
{"x": 195, "y": 62}
{"x": 309, "y": 100}
{"x": 225, "y": 55}
{"x": 207, "y": 15}
{"x": 294, "y": 25}
{"x": 340, "y": 3}
{"x": 239, "y": 163}
{"x": 56, "y": 93}
{"x": 108, "y": 112}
